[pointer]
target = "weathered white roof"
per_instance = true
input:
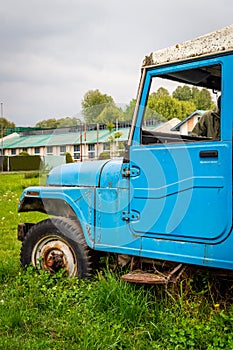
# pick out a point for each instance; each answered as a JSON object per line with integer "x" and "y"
{"x": 215, "y": 42}
{"x": 168, "y": 126}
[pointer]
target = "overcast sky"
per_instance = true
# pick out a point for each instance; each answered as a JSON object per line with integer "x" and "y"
{"x": 53, "y": 51}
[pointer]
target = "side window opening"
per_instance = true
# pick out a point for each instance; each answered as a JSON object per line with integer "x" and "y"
{"x": 183, "y": 107}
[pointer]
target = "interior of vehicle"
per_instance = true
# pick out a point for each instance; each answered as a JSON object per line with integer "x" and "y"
{"x": 205, "y": 77}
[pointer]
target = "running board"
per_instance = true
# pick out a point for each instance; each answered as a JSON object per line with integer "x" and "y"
{"x": 139, "y": 276}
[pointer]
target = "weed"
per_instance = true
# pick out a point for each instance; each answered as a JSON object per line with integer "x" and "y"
{"x": 31, "y": 175}
{"x": 39, "y": 311}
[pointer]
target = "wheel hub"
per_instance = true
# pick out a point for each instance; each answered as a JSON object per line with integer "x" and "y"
{"x": 54, "y": 261}
{"x": 54, "y": 254}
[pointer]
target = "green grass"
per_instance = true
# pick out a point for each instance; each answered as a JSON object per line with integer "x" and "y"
{"x": 42, "y": 312}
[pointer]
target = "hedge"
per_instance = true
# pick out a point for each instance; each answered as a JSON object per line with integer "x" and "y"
{"x": 20, "y": 163}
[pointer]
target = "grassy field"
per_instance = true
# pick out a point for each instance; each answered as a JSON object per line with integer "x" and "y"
{"x": 42, "y": 312}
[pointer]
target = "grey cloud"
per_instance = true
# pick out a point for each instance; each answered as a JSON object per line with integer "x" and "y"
{"x": 53, "y": 51}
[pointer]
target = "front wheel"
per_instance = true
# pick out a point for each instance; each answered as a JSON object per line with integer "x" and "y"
{"x": 55, "y": 244}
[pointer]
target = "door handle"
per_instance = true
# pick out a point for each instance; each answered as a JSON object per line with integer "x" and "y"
{"x": 208, "y": 154}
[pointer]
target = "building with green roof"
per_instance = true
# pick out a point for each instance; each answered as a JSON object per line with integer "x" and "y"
{"x": 83, "y": 142}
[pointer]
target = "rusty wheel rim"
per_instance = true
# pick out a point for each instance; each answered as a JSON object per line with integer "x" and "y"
{"x": 52, "y": 254}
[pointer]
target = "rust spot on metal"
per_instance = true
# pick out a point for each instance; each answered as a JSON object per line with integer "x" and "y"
{"x": 148, "y": 60}
{"x": 53, "y": 258}
{"x": 89, "y": 232}
{"x": 212, "y": 43}
{"x": 157, "y": 277}
{"x": 144, "y": 277}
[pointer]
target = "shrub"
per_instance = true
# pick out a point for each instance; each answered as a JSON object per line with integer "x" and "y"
{"x": 104, "y": 155}
{"x": 69, "y": 158}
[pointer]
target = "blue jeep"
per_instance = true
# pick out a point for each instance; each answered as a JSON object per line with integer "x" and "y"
{"x": 169, "y": 198}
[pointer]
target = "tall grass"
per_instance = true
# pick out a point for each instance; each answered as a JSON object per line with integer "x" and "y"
{"x": 38, "y": 311}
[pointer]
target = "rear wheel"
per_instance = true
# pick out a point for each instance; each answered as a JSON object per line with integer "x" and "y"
{"x": 55, "y": 244}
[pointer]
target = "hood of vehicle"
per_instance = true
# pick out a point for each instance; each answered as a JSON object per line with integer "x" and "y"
{"x": 76, "y": 174}
{"x": 84, "y": 174}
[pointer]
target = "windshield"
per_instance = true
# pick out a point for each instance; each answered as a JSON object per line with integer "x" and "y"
{"x": 178, "y": 101}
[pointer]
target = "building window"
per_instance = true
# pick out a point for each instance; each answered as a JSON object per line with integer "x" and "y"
{"x": 49, "y": 150}
{"x": 76, "y": 152}
{"x": 62, "y": 149}
{"x": 37, "y": 150}
{"x": 24, "y": 149}
{"x": 106, "y": 146}
{"x": 13, "y": 151}
{"x": 91, "y": 151}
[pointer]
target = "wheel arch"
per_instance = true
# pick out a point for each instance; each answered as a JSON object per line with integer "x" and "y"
{"x": 60, "y": 208}
{"x": 50, "y": 206}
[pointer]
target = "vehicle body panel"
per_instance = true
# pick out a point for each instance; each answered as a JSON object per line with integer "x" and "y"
{"x": 76, "y": 174}
{"x": 73, "y": 201}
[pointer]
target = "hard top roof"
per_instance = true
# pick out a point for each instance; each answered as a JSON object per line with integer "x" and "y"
{"x": 215, "y": 42}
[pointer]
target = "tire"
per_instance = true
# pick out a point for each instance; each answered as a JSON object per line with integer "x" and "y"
{"x": 55, "y": 244}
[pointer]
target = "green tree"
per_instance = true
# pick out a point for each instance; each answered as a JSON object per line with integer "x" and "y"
{"x": 184, "y": 101}
{"x": 129, "y": 111}
{"x": 93, "y": 104}
{"x": 114, "y": 138}
{"x": 24, "y": 153}
{"x": 110, "y": 114}
{"x": 151, "y": 110}
{"x": 48, "y": 123}
{"x": 104, "y": 155}
{"x": 69, "y": 158}
{"x": 187, "y": 107}
{"x": 203, "y": 100}
{"x": 183, "y": 93}
{"x": 110, "y": 127}
{"x": 160, "y": 92}
{"x": 67, "y": 122}
{"x": 53, "y": 123}
{"x": 195, "y": 93}
{"x": 168, "y": 107}
{"x": 5, "y": 124}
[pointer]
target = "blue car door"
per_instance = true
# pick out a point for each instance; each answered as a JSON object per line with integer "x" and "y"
{"x": 182, "y": 186}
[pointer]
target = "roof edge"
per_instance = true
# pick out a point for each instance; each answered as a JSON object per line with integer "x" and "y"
{"x": 216, "y": 42}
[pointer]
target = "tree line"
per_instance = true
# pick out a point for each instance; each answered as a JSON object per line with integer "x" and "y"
{"x": 98, "y": 107}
